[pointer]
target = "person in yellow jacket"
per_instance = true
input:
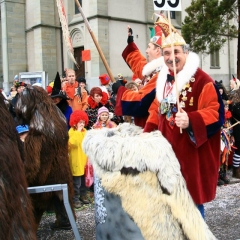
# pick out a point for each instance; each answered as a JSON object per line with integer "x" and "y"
{"x": 77, "y": 157}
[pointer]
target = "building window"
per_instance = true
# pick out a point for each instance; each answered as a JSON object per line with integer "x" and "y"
{"x": 214, "y": 58}
{"x": 76, "y": 7}
{"x": 172, "y": 14}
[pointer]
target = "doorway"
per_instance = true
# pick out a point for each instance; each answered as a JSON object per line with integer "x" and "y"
{"x": 80, "y": 72}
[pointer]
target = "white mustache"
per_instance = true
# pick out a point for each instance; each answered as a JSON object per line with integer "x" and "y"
{"x": 171, "y": 62}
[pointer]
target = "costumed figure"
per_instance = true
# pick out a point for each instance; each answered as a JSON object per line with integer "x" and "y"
{"x": 45, "y": 152}
{"x": 142, "y": 105}
{"x": 96, "y": 100}
{"x": 234, "y": 100}
{"x": 226, "y": 147}
{"x": 16, "y": 218}
{"x": 145, "y": 199}
{"x": 77, "y": 95}
{"x": 77, "y": 157}
{"x": 226, "y": 141}
{"x": 59, "y": 97}
{"x": 200, "y": 115}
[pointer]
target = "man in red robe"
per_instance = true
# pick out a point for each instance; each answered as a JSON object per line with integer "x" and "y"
{"x": 200, "y": 116}
{"x": 142, "y": 105}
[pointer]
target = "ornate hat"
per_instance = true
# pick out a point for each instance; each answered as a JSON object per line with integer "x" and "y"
{"x": 169, "y": 33}
{"x": 56, "y": 90}
{"x": 157, "y": 38}
{"x": 20, "y": 84}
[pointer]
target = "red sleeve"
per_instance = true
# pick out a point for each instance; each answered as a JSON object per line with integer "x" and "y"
{"x": 118, "y": 106}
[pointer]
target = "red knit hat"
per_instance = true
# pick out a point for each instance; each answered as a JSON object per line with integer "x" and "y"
{"x": 77, "y": 116}
{"x": 104, "y": 79}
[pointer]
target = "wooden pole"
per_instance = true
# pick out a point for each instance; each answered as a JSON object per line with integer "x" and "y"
{"x": 95, "y": 42}
{"x": 174, "y": 65}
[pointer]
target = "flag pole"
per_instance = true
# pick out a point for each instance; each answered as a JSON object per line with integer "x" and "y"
{"x": 95, "y": 42}
{"x": 174, "y": 65}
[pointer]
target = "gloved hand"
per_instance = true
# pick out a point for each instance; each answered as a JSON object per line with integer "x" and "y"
{"x": 130, "y": 37}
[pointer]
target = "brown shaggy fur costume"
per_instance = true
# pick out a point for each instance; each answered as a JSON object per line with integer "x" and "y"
{"x": 46, "y": 150}
{"x": 16, "y": 218}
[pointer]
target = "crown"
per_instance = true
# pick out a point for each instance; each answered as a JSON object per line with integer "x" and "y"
{"x": 169, "y": 33}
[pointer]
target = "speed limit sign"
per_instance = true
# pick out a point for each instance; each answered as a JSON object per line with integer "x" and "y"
{"x": 170, "y": 5}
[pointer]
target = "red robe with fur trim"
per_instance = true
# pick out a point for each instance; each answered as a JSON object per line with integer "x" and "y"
{"x": 142, "y": 105}
{"x": 197, "y": 148}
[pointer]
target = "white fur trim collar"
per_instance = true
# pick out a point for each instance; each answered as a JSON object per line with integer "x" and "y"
{"x": 155, "y": 64}
{"x": 189, "y": 69}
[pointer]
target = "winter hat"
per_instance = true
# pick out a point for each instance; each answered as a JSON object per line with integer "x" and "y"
{"x": 104, "y": 79}
{"x": 22, "y": 129}
{"x": 77, "y": 116}
{"x": 37, "y": 84}
{"x": 81, "y": 79}
{"x": 102, "y": 110}
{"x": 16, "y": 77}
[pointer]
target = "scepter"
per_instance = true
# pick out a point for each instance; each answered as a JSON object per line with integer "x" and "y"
{"x": 95, "y": 42}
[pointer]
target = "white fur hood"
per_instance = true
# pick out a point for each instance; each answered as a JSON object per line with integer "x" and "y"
{"x": 153, "y": 65}
{"x": 189, "y": 69}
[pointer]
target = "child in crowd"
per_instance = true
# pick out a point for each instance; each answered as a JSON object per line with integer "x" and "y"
{"x": 103, "y": 119}
{"x": 133, "y": 87}
{"x": 77, "y": 157}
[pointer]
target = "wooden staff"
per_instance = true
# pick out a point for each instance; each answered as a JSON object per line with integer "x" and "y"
{"x": 95, "y": 42}
{"x": 174, "y": 64}
{"x": 232, "y": 125}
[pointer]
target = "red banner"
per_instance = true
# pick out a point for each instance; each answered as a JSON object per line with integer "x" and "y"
{"x": 86, "y": 55}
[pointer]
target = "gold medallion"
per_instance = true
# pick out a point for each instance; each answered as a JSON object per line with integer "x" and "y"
{"x": 191, "y": 101}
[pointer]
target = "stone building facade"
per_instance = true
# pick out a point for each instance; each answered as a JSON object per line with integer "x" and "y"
{"x": 31, "y": 38}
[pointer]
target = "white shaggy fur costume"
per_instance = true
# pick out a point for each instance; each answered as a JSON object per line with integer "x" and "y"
{"x": 156, "y": 198}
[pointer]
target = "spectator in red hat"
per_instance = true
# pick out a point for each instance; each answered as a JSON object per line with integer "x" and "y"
{"x": 106, "y": 85}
